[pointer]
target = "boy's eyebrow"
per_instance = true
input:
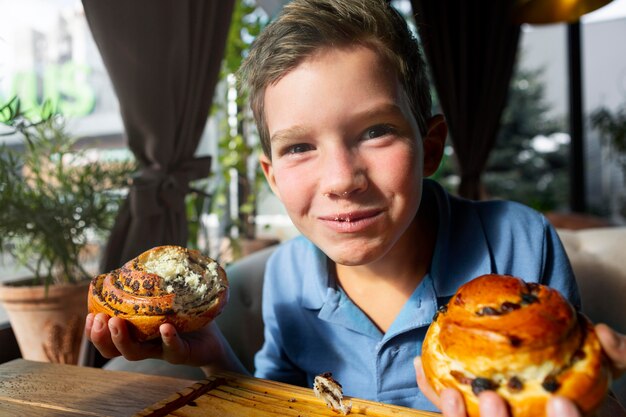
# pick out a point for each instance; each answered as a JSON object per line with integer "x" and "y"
{"x": 381, "y": 109}
{"x": 286, "y": 134}
{"x": 387, "y": 108}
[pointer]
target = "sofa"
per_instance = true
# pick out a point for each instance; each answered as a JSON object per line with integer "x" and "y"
{"x": 597, "y": 255}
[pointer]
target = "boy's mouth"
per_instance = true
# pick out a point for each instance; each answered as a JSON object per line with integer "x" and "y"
{"x": 351, "y": 217}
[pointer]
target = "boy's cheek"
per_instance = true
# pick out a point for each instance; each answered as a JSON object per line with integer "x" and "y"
{"x": 292, "y": 190}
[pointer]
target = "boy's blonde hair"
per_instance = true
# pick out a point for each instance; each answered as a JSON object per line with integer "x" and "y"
{"x": 304, "y": 26}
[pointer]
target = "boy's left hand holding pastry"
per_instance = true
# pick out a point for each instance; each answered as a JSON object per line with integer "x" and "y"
{"x": 450, "y": 401}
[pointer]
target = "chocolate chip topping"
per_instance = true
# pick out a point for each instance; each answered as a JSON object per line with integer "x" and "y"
{"x": 550, "y": 384}
{"x": 515, "y": 341}
{"x": 460, "y": 377}
{"x": 483, "y": 384}
{"x": 514, "y": 384}
{"x": 508, "y": 306}
{"x": 488, "y": 311}
{"x": 441, "y": 310}
{"x": 529, "y": 299}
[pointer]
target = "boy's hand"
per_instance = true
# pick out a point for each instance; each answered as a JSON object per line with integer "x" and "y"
{"x": 451, "y": 404}
{"x": 614, "y": 345}
{"x": 111, "y": 337}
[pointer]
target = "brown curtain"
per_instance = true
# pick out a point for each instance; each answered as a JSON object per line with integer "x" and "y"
{"x": 471, "y": 48}
{"x": 163, "y": 57}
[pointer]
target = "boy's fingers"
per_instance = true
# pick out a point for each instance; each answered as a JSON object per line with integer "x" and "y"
{"x": 129, "y": 348}
{"x": 561, "y": 407}
{"x": 175, "y": 349}
{"x": 88, "y": 326}
{"x": 492, "y": 405}
{"x": 614, "y": 344}
{"x": 423, "y": 384}
{"x": 98, "y": 333}
{"x": 452, "y": 404}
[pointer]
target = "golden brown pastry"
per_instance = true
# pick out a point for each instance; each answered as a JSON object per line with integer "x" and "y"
{"x": 166, "y": 284}
{"x": 522, "y": 340}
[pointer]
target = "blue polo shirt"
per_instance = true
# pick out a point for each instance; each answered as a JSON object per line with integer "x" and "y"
{"x": 312, "y": 326}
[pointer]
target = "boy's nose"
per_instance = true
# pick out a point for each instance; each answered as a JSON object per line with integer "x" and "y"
{"x": 343, "y": 175}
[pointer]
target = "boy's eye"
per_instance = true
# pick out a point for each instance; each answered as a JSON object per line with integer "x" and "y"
{"x": 378, "y": 131}
{"x": 298, "y": 148}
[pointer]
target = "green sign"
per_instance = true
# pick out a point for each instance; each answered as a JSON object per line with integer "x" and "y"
{"x": 65, "y": 86}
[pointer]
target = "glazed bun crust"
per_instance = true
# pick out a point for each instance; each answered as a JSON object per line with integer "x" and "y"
{"x": 166, "y": 284}
{"x": 522, "y": 340}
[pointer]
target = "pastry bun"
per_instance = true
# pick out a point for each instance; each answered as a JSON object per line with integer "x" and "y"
{"x": 522, "y": 340}
{"x": 166, "y": 284}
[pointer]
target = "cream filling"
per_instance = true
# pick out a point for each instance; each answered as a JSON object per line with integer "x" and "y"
{"x": 193, "y": 283}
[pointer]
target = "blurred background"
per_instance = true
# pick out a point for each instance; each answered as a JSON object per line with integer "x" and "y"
{"x": 48, "y": 55}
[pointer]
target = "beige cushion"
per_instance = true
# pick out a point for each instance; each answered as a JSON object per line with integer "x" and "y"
{"x": 598, "y": 257}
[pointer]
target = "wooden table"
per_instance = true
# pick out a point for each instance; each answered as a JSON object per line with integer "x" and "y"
{"x": 42, "y": 389}
{"x": 36, "y": 389}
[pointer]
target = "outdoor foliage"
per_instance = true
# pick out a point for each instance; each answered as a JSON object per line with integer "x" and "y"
{"x": 238, "y": 144}
{"x": 54, "y": 200}
{"x": 529, "y": 162}
{"x": 612, "y": 128}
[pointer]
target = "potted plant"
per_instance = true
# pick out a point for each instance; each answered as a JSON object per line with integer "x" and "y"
{"x": 55, "y": 204}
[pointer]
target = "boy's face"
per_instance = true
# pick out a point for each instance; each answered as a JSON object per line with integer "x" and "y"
{"x": 347, "y": 157}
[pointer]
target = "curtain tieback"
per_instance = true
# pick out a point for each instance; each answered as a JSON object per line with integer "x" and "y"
{"x": 153, "y": 190}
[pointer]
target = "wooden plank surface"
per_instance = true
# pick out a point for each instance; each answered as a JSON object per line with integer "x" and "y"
{"x": 233, "y": 395}
{"x": 30, "y": 388}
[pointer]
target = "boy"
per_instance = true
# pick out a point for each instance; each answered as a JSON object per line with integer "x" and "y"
{"x": 340, "y": 97}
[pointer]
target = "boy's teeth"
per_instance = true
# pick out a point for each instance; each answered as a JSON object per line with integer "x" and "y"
{"x": 341, "y": 219}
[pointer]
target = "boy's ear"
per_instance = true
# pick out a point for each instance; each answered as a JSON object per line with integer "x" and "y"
{"x": 434, "y": 143}
{"x": 268, "y": 171}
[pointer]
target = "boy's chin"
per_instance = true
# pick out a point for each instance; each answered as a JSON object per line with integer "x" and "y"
{"x": 353, "y": 257}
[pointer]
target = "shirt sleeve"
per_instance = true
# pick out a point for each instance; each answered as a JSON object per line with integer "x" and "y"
{"x": 272, "y": 362}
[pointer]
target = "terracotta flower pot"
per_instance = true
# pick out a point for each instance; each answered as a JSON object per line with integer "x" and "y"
{"x": 47, "y": 328}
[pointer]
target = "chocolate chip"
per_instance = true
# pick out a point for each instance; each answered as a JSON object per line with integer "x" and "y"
{"x": 460, "y": 377}
{"x": 529, "y": 298}
{"x": 508, "y": 306}
{"x": 148, "y": 285}
{"x": 483, "y": 384}
{"x": 487, "y": 311}
{"x": 550, "y": 384}
{"x": 514, "y": 384}
{"x": 441, "y": 310}
{"x": 533, "y": 287}
{"x": 515, "y": 341}
{"x": 578, "y": 355}
{"x": 458, "y": 300}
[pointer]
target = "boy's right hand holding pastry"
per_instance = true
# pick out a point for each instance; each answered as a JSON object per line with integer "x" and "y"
{"x": 161, "y": 305}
